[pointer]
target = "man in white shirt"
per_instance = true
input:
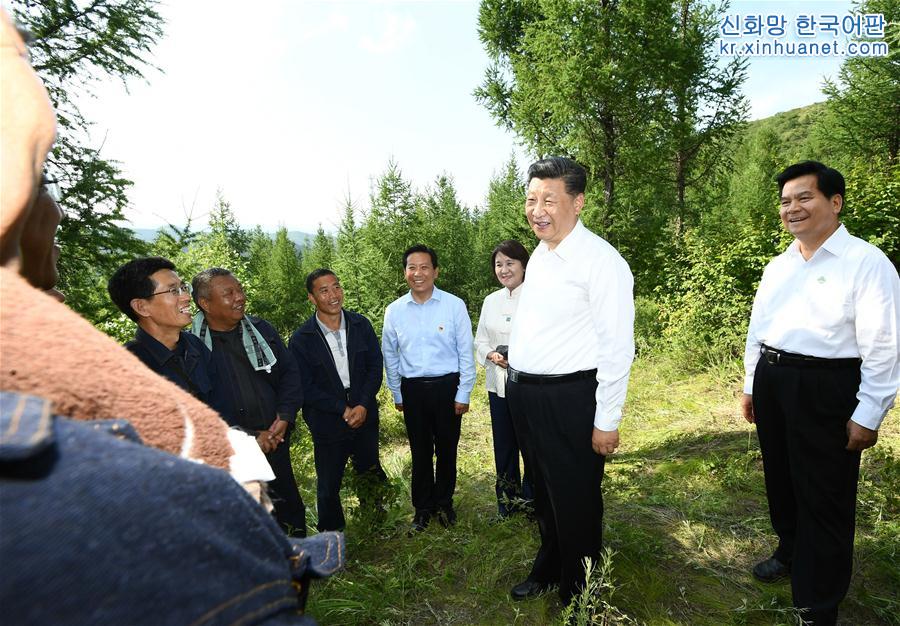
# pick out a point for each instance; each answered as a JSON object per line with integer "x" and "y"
{"x": 570, "y": 353}
{"x": 822, "y": 368}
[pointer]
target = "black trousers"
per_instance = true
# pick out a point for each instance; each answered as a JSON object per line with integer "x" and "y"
{"x": 801, "y": 419}
{"x": 555, "y": 424}
{"x": 289, "y": 508}
{"x": 331, "y": 460}
{"x": 510, "y": 485}
{"x": 433, "y": 429}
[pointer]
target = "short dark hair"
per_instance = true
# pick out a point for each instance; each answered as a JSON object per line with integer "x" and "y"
{"x": 828, "y": 180}
{"x": 132, "y": 280}
{"x": 574, "y": 175}
{"x": 200, "y": 283}
{"x": 421, "y": 248}
{"x": 513, "y": 249}
{"x": 316, "y": 274}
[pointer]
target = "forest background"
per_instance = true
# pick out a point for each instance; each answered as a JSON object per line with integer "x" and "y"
{"x": 680, "y": 183}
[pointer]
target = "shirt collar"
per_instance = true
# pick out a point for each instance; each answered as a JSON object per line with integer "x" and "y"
{"x": 566, "y": 249}
{"x": 512, "y": 295}
{"x": 836, "y": 244}
{"x": 435, "y": 295}
{"x": 325, "y": 330}
{"x": 157, "y": 350}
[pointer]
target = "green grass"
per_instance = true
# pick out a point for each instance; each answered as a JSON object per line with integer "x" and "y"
{"x": 685, "y": 520}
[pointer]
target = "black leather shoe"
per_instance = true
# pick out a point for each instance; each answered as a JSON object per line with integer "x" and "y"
{"x": 528, "y": 589}
{"x": 419, "y": 523}
{"x": 771, "y": 570}
{"x": 447, "y": 517}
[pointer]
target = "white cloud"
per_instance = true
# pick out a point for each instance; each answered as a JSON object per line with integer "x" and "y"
{"x": 396, "y": 32}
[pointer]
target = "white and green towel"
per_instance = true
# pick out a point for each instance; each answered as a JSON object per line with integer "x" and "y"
{"x": 258, "y": 351}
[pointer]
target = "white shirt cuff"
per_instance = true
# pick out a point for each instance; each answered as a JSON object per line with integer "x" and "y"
{"x": 748, "y": 384}
{"x": 607, "y": 421}
{"x": 867, "y": 415}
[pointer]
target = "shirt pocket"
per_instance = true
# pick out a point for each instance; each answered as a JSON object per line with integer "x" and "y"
{"x": 828, "y": 300}
{"x": 444, "y": 329}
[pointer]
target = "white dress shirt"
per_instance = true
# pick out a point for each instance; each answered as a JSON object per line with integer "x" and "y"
{"x": 576, "y": 313}
{"x": 337, "y": 342}
{"x": 494, "y": 326}
{"x": 844, "y": 302}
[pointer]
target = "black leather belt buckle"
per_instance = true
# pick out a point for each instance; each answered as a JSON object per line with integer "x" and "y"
{"x": 513, "y": 375}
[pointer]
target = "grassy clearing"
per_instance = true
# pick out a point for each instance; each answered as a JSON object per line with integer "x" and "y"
{"x": 686, "y": 518}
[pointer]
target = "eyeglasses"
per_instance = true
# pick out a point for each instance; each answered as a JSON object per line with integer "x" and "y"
{"x": 175, "y": 291}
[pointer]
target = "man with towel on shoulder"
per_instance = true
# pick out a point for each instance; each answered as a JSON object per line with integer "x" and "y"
{"x": 260, "y": 379}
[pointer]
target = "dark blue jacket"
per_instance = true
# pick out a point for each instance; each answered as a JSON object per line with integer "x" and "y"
{"x": 99, "y": 529}
{"x": 323, "y": 392}
{"x": 280, "y": 391}
{"x": 197, "y": 364}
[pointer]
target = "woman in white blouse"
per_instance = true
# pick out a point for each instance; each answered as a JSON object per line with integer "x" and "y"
{"x": 509, "y": 260}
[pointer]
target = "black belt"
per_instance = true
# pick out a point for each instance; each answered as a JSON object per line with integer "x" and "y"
{"x": 780, "y": 357}
{"x": 431, "y": 379}
{"x": 548, "y": 379}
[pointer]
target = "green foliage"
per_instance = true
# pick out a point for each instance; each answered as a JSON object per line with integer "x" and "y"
{"x": 706, "y": 301}
{"x": 864, "y": 102}
{"x": 173, "y": 240}
{"x": 592, "y": 604}
{"x": 447, "y": 227}
{"x": 225, "y": 245}
{"x": 281, "y": 286}
{"x": 633, "y": 91}
{"x": 351, "y": 262}
{"x": 712, "y": 276}
{"x": 648, "y": 324}
{"x": 319, "y": 253}
{"x": 872, "y": 206}
{"x": 74, "y": 47}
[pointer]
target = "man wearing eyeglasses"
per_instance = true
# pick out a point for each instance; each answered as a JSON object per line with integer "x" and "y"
{"x": 150, "y": 292}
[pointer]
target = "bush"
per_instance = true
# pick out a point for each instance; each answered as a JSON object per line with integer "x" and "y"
{"x": 648, "y": 326}
{"x": 706, "y": 301}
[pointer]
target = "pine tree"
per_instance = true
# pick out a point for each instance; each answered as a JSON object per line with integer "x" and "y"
{"x": 75, "y": 46}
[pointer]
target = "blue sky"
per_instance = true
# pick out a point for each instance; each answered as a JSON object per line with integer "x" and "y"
{"x": 291, "y": 106}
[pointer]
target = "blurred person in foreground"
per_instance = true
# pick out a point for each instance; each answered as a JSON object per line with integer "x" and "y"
{"x": 97, "y": 526}
{"x": 822, "y": 365}
{"x": 508, "y": 260}
{"x": 261, "y": 389}
{"x": 570, "y": 354}
{"x": 341, "y": 368}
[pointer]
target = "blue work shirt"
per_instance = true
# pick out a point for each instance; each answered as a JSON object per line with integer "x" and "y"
{"x": 430, "y": 339}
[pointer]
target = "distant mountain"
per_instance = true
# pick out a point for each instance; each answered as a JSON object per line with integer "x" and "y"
{"x": 298, "y": 237}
